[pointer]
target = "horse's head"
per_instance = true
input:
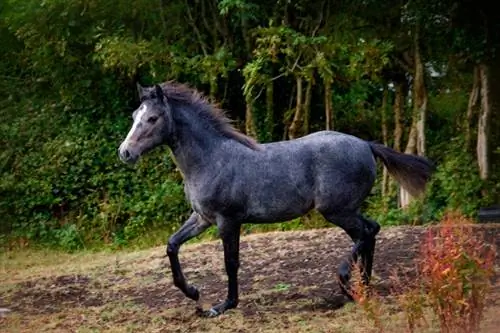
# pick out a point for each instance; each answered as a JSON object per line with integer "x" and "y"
{"x": 150, "y": 128}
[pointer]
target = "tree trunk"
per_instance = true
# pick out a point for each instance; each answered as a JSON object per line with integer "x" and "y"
{"x": 383, "y": 113}
{"x": 385, "y": 175}
{"x": 307, "y": 107}
{"x": 294, "y": 129}
{"x": 399, "y": 102}
{"x": 246, "y": 36}
{"x": 270, "y": 109}
{"x": 398, "y": 110}
{"x": 249, "y": 122}
{"x": 411, "y": 148}
{"x": 213, "y": 89}
{"x": 420, "y": 97}
{"x": 286, "y": 116}
{"x": 483, "y": 128}
{"x": 472, "y": 106}
{"x": 416, "y": 138}
{"x": 328, "y": 105}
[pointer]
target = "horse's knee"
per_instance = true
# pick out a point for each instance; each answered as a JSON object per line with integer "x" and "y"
{"x": 172, "y": 247}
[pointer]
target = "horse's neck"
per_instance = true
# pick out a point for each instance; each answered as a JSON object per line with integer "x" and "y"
{"x": 195, "y": 145}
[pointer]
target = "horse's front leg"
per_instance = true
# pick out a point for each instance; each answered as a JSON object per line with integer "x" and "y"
{"x": 194, "y": 226}
{"x": 230, "y": 235}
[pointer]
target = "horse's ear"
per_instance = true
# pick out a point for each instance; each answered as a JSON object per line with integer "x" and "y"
{"x": 159, "y": 93}
{"x": 140, "y": 90}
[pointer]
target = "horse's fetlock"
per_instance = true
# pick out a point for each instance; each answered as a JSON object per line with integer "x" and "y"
{"x": 233, "y": 264}
{"x": 193, "y": 293}
{"x": 178, "y": 283}
{"x": 232, "y": 303}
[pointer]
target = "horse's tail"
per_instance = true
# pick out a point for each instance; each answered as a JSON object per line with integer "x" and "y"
{"x": 411, "y": 171}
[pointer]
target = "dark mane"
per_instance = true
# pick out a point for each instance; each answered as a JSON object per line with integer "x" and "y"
{"x": 214, "y": 115}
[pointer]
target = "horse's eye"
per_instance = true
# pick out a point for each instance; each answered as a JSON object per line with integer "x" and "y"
{"x": 152, "y": 119}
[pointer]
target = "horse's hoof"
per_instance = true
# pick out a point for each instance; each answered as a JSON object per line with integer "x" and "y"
{"x": 193, "y": 293}
{"x": 347, "y": 292}
{"x": 344, "y": 272}
{"x": 344, "y": 276}
{"x": 208, "y": 314}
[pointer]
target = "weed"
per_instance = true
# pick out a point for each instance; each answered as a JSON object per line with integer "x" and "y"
{"x": 453, "y": 277}
{"x": 456, "y": 266}
{"x": 412, "y": 301}
{"x": 367, "y": 299}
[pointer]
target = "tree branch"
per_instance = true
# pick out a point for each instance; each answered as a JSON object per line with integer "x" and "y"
{"x": 216, "y": 18}
{"x": 403, "y": 64}
{"x": 196, "y": 31}
{"x": 320, "y": 21}
{"x": 296, "y": 64}
{"x": 210, "y": 30}
{"x": 258, "y": 95}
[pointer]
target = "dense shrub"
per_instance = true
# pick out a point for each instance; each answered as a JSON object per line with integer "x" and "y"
{"x": 66, "y": 186}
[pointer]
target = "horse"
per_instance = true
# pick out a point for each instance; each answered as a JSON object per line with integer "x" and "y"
{"x": 230, "y": 179}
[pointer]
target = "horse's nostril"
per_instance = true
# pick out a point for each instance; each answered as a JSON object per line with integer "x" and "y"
{"x": 124, "y": 154}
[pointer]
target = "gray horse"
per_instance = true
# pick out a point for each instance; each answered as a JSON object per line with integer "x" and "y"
{"x": 230, "y": 179}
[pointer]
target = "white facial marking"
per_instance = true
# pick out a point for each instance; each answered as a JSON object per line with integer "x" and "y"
{"x": 140, "y": 113}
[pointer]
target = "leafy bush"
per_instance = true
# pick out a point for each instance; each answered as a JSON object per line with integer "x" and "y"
{"x": 67, "y": 187}
{"x": 455, "y": 186}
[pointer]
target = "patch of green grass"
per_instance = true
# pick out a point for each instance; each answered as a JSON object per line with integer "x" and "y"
{"x": 282, "y": 287}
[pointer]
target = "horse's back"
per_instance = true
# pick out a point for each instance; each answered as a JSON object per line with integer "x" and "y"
{"x": 329, "y": 145}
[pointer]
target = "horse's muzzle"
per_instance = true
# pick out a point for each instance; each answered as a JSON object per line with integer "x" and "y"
{"x": 126, "y": 155}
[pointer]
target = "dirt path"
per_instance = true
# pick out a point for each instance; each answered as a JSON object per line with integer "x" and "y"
{"x": 287, "y": 283}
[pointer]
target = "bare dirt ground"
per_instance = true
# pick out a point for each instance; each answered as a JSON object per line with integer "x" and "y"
{"x": 287, "y": 284}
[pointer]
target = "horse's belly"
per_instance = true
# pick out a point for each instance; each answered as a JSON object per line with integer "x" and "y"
{"x": 265, "y": 218}
{"x": 280, "y": 209}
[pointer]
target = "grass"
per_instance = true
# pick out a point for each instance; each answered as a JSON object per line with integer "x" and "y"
{"x": 286, "y": 280}
{"x": 157, "y": 236}
{"x": 129, "y": 317}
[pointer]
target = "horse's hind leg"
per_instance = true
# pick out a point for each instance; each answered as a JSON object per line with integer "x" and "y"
{"x": 362, "y": 231}
{"x": 368, "y": 247}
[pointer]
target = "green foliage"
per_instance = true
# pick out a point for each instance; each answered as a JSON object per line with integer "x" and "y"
{"x": 456, "y": 184}
{"x": 239, "y": 9}
{"x": 67, "y": 84}
{"x": 80, "y": 187}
